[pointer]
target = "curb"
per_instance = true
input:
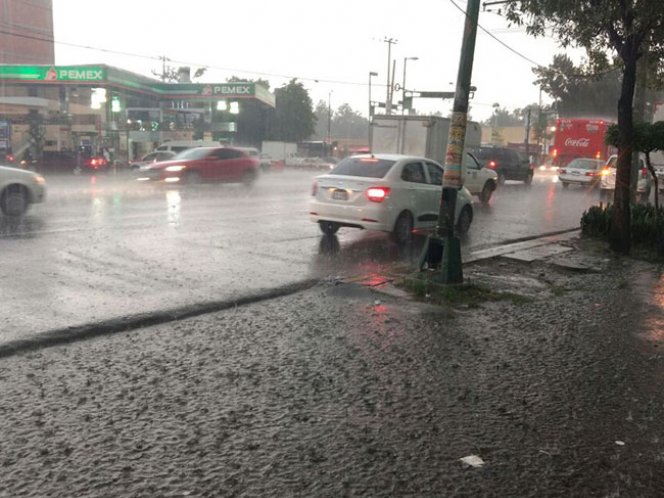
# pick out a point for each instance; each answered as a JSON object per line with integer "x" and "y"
{"x": 123, "y": 324}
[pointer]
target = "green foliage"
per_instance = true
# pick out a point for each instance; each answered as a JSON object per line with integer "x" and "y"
{"x": 293, "y": 119}
{"x": 596, "y": 223}
{"x": 578, "y": 90}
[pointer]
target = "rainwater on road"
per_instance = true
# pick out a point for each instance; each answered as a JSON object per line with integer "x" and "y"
{"x": 102, "y": 247}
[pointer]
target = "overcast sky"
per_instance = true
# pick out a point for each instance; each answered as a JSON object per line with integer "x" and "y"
{"x": 330, "y": 46}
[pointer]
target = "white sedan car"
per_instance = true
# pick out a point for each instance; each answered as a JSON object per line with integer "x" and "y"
{"x": 385, "y": 192}
{"x": 607, "y": 184}
{"x": 580, "y": 171}
{"x": 18, "y": 189}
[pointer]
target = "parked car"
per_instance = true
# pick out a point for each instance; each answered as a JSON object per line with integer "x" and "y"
{"x": 225, "y": 164}
{"x": 581, "y": 171}
{"x": 18, "y": 189}
{"x": 385, "y": 192}
{"x": 508, "y": 164}
{"x": 607, "y": 183}
{"x": 153, "y": 157}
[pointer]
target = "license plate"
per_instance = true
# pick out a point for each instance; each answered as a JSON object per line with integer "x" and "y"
{"x": 340, "y": 195}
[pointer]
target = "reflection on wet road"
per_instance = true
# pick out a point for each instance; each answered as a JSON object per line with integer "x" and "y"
{"x": 106, "y": 247}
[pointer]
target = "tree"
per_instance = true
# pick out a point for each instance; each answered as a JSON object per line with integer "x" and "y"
{"x": 348, "y": 123}
{"x": 322, "y": 113}
{"x": 293, "y": 119}
{"x": 648, "y": 138}
{"x": 577, "y": 91}
{"x": 624, "y": 27}
{"x": 504, "y": 117}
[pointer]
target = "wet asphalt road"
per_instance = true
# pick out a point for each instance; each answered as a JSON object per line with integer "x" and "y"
{"x": 103, "y": 247}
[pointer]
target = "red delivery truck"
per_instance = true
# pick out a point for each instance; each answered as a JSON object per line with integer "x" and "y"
{"x": 580, "y": 138}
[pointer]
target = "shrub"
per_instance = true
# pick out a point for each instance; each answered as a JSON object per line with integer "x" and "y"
{"x": 596, "y": 223}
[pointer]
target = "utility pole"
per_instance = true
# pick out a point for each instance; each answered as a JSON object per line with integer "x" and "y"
{"x": 444, "y": 243}
{"x": 527, "y": 140}
{"x": 370, "y": 137}
{"x": 388, "y": 98}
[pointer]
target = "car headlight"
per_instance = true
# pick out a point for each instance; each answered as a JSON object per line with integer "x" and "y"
{"x": 40, "y": 180}
{"x": 174, "y": 168}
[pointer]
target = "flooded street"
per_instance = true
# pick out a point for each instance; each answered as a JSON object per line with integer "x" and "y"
{"x": 106, "y": 247}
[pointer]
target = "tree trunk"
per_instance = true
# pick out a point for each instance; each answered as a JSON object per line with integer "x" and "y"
{"x": 620, "y": 233}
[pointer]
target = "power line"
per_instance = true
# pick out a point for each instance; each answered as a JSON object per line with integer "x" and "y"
{"x": 188, "y": 63}
{"x": 537, "y": 64}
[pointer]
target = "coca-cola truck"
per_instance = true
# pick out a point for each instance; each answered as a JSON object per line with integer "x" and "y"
{"x": 580, "y": 138}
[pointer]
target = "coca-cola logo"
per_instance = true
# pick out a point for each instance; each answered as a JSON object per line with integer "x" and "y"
{"x": 577, "y": 142}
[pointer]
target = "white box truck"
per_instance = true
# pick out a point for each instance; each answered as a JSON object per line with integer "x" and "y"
{"x": 426, "y": 136}
{"x": 418, "y": 135}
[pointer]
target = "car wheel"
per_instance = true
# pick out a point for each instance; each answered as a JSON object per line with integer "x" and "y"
{"x": 464, "y": 221}
{"x": 328, "y": 227}
{"x": 529, "y": 179}
{"x": 403, "y": 228}
{"x": 249, "y": 177}
{"x": 486, "y": 193}
{"x": 15, "y": 200}
{"x": 565, "y": 184}
{"x": 193, "y": 178}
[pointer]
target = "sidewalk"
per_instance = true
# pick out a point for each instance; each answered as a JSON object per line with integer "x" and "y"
{"x": 345, "y": 390}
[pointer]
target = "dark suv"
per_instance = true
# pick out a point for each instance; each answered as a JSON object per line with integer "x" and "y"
{"x": 509, "y": 164}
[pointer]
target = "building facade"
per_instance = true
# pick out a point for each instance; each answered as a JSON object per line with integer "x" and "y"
{"x": 99, "y": 106}
{"x": 26, "y": 32}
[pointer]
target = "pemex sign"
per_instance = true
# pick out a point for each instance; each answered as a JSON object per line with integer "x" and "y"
{"x": 53, "y": 73}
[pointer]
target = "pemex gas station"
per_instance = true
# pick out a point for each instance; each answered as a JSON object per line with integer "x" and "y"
{"x": 104, "y": 107}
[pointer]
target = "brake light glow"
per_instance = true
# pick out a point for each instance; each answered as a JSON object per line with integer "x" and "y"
{"x": 644, "y": 172}
{"x": 555, "y": 153}
{"x": 598, "y": 155}
{"x": 377, "y": 194}
{"x": 604, "y": 172}
{"x": 590, "y": 173}
{"x": 492, "y": 164}
{"x": 314, "y": 189}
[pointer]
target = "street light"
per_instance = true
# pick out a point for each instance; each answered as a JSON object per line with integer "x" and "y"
{"x": 403, "y": 89}
{"x": 329, "y": 119}
{"x": 371, "y": 74}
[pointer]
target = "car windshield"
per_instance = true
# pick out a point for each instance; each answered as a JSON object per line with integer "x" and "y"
{"x": 484, "y": 154}
{"x": 589, "y": 164}
{"x": 368, "y": 167}
{"x": 195, "y": 153}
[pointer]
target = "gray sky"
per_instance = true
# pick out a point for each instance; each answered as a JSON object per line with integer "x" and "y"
{"x": 330, "y": 46}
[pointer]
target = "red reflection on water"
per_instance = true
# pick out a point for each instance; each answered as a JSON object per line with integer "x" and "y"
{"x": 93, "y": 180}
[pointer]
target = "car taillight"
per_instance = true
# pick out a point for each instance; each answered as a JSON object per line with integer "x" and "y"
{"x": 492, "y": 164}
{"x": 590, "y": 173}
{"x": 644, "y": 172}
{"x": 93, "y": 162}
{"x": 377, "y": 194}
{"x": 10, "y": 158}
{"x": 562, "y": 171}
{"x": 314, "y": 189}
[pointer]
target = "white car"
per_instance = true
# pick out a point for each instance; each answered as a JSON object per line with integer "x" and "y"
{"x": 18, "y": 189}
{"x": 385, "y": 192}
{"x": 479, "y": 180}
{"x": 607, "y": 182}
{"x": 580, "y": 171}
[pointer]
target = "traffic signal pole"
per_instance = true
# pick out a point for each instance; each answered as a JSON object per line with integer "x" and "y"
{"x": 444, "y": 244}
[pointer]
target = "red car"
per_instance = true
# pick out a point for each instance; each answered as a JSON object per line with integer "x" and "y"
{"x": 202, "y": 164}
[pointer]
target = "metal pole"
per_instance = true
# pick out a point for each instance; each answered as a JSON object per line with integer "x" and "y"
{"x": 388, "y": 98}
{"x": 329, "y": 121}
{"x": 451, "y": 271}
{"x": 370, "y": 136}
